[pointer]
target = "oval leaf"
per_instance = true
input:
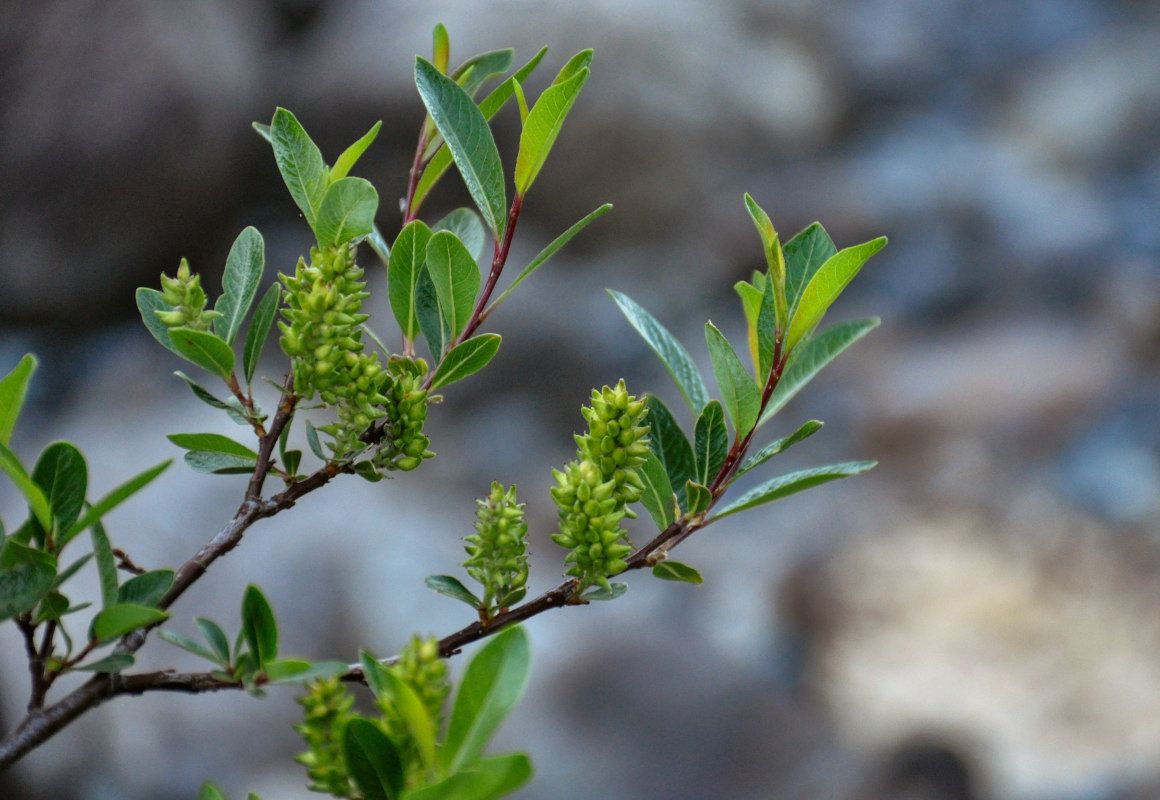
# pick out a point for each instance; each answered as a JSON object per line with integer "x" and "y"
{"x": 209, "y": 463}
{"x": 600, "y": 594}
{"x": 710, "y": 443}
{"x": 372, "y": 761}
{"x": 300, "y": 162}
{"x": 452, "y": 587}
{"x": 671, "y": 446}
{"x": 347, "y": 211}
{"x": 466, "y": 358}
{"x": 203, "y": 349}
{"x": 62, "y": 475}
{"x": 675, "y": 358}
{"x": 258, "y": 626}
{"x": 37, "y": 502}
{"x": 785, "y": 485}
{"x": 465, "y": 224}
{"x": 216, "y": 638}
{"x": 212, "y": 442}
{"x": 119, "y": 619}
{"x": 403, "y": 271}
{"x": 676, "y": 571}
{"x": 804, "y": 254}
{"x": 146, "y": 589}
{"x": 244, "y": 267}
{"x": 455, "y": 276}
{"x": 825, "y": 286}
{"x": 657, "y": 497}
{"x": 26, "y": 575}
{"x": 468, "y": 137}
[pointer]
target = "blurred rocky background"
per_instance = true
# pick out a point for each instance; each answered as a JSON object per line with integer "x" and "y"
{"x": 979, "y": 617}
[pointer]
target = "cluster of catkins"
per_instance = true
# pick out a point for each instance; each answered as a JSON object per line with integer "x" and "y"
{"x": 497, "y": 552}
{"x": 187, "y": 300}
{"x": 592, "y": 492}
{"x": 421, "y": 668}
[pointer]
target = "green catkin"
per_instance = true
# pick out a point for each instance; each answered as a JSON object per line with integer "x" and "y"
{"x": 421, "y": 668}
{"x": 404, "y": 446}
{"x": 497, "y": 552}
{"x": 186, "y": 299}
{"x": 592, "y": 492}
{"x": 326, "y": 710}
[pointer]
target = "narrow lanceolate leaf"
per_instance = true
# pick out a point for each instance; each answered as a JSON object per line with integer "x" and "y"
{"x": 244, "y": 267}
{"x": 117, "y": 620}
{"x": 671, "y": 446}
{"x": 114, "y": 662}
{"x": 347, "y": 211}
{"x": 815, "y": 354}
{"x": 258, "y": 626}
{"x": 61, "y": 474}
{"x": 710, "y": 442}
{"x": 465, "y": 224}
{"x": 676, "y": 571}
{"x": 352, "y": 154}
{"x": 780, "y": 446}
{"x": 404, "y": 267}
{"x": 767, "y": 325}
{"x": 466, "y": 358}
{"x": 774, "y": 258}
{"x": 313, "y": 442}
{"x": 216, "y": 638}
{"x": 146, "y": 589}
{"x": 106, "y": 565}
{"x": 149, "y": 302}
{"x": 260, "y": 325}
{"x": 489, "y": 106}
{"x": 455, "y": 276}
{"x": 37, "y": 501}
{"x": 212, "y": 442}
{"x": 415, "y": 717}
{"x": 804, "y": 254}
{"x": 209, "y": 462}
{"x": 189, "y": 645}
{"x": 432, "y": 322}
{"x": 825, "y": 286}
{"x": 372, "y": 761}
{"x": 785, "y": 485}
{"x": 452, "y": 587}
{"x": 600, "y": 594}
{"x": 549, "y": 251}
{"x": 492, "y": 685}
{"x": 543, "y": 126}
{"x": 739, "y": 392}
{"x": 477, "y": 70}
{"x": 13, "y": 388}
{"x": 675, "y": 358}
{"x": 201, "y": 393}
{"x": 203, "y": 349}
{"x": 469, "y": 139}
{"x": 300, "y": 162}
{"x": 299, "y": 673}
{"x": 115, "y": 498}
{"x": 657, "y": 497}
{"x": 486, "y": 779}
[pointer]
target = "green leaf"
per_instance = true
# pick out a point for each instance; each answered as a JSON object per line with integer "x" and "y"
{"x": 201, "y": 393}
{"x": 32, "y": 493}
{"x": 676, "y": 571}
{"x": 403, "y": 271}
{"x": 375, "y": 674}
{"x": 739, "y": 392}
{"x": 106, "y": 564}
{"x": 773, "y": 448}
{"x": 68, "y": 571}
{"x": 191, "y": 646}
{"x": 379, "y": 244}
{"x": 118, "y": 619}
{"x": 804, "y": 254}
{"x": 211, "y": 463}
{"x": 208, "y": 790}
{"x": 432, "y": 323}
{"x": 784, "y": 485}
{"x": 150, "y": 301}
{"x": 260, "y": 325}
{"x": 372, "y": 761}
{"x": 466, "y": 358}
{"x": 146, "y": 589}
{"x": 212, "y": 442}
{"x": 600, "y": 594}
{"x": 291, "y": 460}
{"x": 13, "y": 389}
{"x": 699, "y": 497}
{"x": 825, "y": 286}
{"x": 456, "y": 278}
{"x": 441, "y": 49}
{"x": 418, "y": 722}
{"x": 477, "y": 70}
{"x": 657, "y": 497}
{"x": 671, "y": 446}
{"x": 774, "y": 258}
{"x": 486, "y": 779}
{"x": 300, "y": 162}
{"x": 710, "y": 443}
{"x": 300, "y": 673}
{"x": 26, "y": 575}
{"x": 766, "y": 331}
{"x": 543, "y": 126}
{"x": 216, "y": 638}
{"x": 489, "y": 107}
{"x": 52, "y": 606}
{"x": 465, "y": 224}
{"x": 114, "y": 662}
{"x": 244, "y": 267}
{"x": 549, "y": 251}
{"x": 492, "y": 685}
{"x": 203, "y": 349}
{"x": 312, "y": 441}
{"x": 675, "y": 358}
{"x": 259, "y": 627}
{"x": 469, "y": 139}
{"x": 452, "y": 587}
{"x": 352, "y": 154}
{"x": 263, "y": 130}
{"x": 809, "y": 360}
{"x": 61, "y": 474}
{"x": 347, "y": 211}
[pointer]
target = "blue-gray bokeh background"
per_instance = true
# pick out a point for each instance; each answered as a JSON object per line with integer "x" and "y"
{"x": 975, "y": 618}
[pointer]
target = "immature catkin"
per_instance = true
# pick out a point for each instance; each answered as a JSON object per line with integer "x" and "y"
{"x": 497, "y": 552}
{"x": 404, "y": 404}
{"x": 326, "y": 710}
{"x": 421, "y": 668}
{"x": 187, "y": 301}
{"x": 593, "y": 491}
